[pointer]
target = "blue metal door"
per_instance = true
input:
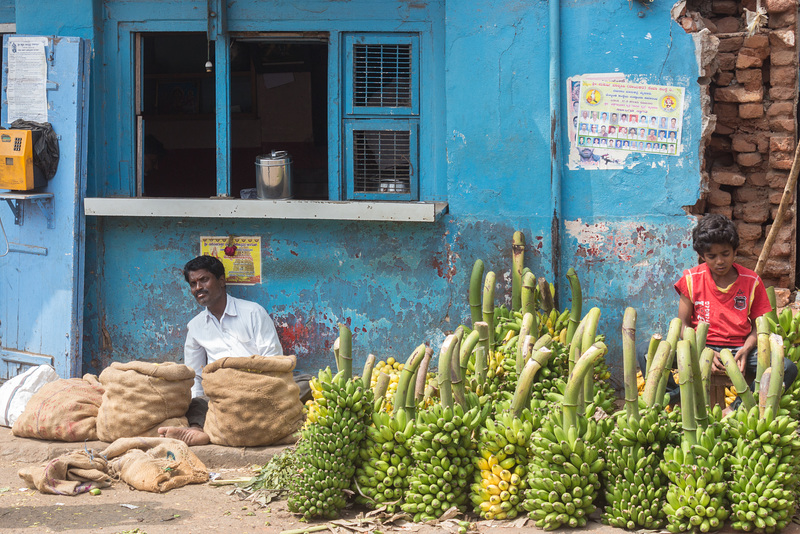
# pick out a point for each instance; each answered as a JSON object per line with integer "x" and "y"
{"x": 41, "y": 277}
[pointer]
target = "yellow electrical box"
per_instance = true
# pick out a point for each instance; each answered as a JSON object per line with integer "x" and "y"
{"x": 17, "y": 170}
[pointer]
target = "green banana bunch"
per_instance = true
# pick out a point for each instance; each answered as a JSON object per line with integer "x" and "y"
{"x": 787, "y": 326}
{"x": 564, "y": 472}
{"x": 763, "y": 473}
{"x": 635, "y": 487}
{"x": 501, "y": 465}
{"x": 381, "y": 476}
{"x": 601, "y": 398}
{"x": 695, "y": 497}
{"x": 443, "y": 451}
{"x": 328, "y": 449}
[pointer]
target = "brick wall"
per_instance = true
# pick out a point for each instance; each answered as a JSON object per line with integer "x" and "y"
{"x": 753, "y": 94}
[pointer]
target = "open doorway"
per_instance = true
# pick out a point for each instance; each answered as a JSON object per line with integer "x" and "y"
{"x": 278, "y": 97}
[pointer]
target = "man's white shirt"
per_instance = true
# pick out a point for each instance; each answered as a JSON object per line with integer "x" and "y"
{"x": 244, "y": 329}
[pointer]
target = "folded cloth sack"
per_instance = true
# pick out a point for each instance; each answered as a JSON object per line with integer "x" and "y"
{"x": 70, "y": 474}
{"x": 156, "y": 465}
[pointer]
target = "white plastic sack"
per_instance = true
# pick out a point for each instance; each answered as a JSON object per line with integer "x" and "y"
{"x": 17, "y": 391}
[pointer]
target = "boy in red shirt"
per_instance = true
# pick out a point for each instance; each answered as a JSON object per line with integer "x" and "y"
{"x": 725, "y": 295}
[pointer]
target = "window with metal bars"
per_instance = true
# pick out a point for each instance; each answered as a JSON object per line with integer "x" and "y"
{"x": 381, "y": 120}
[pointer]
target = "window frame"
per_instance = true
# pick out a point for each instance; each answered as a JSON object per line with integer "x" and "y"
{"x": 116, "y": 164}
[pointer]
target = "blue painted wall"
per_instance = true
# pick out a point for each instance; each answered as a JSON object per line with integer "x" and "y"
{"x": 401, "y": 284}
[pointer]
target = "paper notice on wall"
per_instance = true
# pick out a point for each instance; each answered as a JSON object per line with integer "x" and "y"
{"x": 240, "y": 255}
{"x": 611, "y": 118}
{"x": 27, "y": 79}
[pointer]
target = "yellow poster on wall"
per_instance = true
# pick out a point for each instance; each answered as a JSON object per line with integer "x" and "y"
{"x": 241, "y": 257}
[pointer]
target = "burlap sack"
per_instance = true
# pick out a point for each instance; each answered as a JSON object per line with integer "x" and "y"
{"x": 64, "y": 410}
{"x": 141, "y": 396}
{"x": 72, "y": 474}
{"x": 154, "y": 464}
{"x": 252, "y": 401}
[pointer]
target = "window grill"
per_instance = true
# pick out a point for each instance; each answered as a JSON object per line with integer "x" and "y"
{"x": 382, "y": 161}
{"x": 382, "y": 75}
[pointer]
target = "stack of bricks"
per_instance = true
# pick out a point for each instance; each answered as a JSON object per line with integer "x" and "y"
{"x": 754, "y": 97}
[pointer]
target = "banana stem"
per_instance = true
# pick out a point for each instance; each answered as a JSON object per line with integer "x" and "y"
{"x": 655, "y": 341}
{"x": 422, "y": 374}
{"x": 763, "y": 393}
{"x": 336, "y": 358}
{"x": 700, "y": 401}
{"x": 481, "y": 366}
{"x": 738, "y": 380}
{"x": 445, "y": 383}
{"x": 475, "y": 291}
{"x": 684, "y": 353}
{"x": 366, "y": 375}
{"x": 483, "y": 337}
{"x": 518, "y": 263}
{"x": 773, "y": 313}
{"x": 656, "y": 369}
{"x": 346, "y": 350}
{"x": 706, "y": 362}
{"x": 673, "y": 335}
{"x": 576, "y": 380}
{"x": 381, "y": 386}
{"x": 701, "y": 333}
{"x": 629, "y": 363}
{"x": 525, "y": 330}
{"x": 762, "y": 349}
{"x": 458, "y": 385}
{"x": 577, "y": 304}
{"x": 776, "y": 381}
{"x": 468, "y": 346}
{"x": 409, "y": 371}
{"x": 528, "y": 297}
{"x": 575, "y": 346}
{"x": 589, "y": 334}
{"x": 488, "y": 301}
{"x": 523, "y": 391}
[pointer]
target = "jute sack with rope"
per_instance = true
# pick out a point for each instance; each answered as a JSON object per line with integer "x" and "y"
{"x": 252, "y": 401}
{"x": 64, "y": 410}
{"x": 142, "y": 396}
{"x": 156, "y": 465}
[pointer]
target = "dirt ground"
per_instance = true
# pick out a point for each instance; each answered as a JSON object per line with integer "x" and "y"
{"x": 198, "y": 508}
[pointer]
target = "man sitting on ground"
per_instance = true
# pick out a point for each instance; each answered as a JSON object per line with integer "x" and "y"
{"x": 228, "y": 327}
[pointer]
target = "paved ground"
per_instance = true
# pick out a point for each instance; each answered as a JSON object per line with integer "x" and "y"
{"x": 197, "y": 508}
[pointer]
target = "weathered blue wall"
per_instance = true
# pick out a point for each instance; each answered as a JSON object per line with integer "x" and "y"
{"x": 625, "y": 231}
{"x": 400, "y": 284}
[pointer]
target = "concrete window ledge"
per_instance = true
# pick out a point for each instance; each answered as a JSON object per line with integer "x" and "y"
{"x": 426, "y": 212}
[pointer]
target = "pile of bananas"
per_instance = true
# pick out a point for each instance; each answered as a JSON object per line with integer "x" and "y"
{"x": 393, "y": 369}
{"x": 763, "y": 473}
{"x": 501, "y": 465}
{"x": 327, "y": 451}
{"x": 697, "y": 489}
{"x": 443, "y": 452}
{"x": 635, "y": 487}
{"x": 602, "y": 398}
{"x": 563, "y": 476}
{"x": 312, "y": 405}
{"x": 385, "y": 460}
{"x": 555, "y": 324}
{"x": 788, "y": 327}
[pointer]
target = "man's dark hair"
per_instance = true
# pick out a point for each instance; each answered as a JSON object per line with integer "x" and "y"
{"x": 714, "y": 229}
{"x": 209, "y": 263}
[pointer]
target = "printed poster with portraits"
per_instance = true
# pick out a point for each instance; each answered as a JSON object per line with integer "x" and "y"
{"x": 611, "y": 118}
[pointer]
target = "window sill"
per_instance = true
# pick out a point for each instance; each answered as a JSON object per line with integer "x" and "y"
{"x": 265, "y": 209}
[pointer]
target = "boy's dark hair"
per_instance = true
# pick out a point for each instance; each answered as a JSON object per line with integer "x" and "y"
{"x": 714, "y": 229}
{"x": 209, "y": 263}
